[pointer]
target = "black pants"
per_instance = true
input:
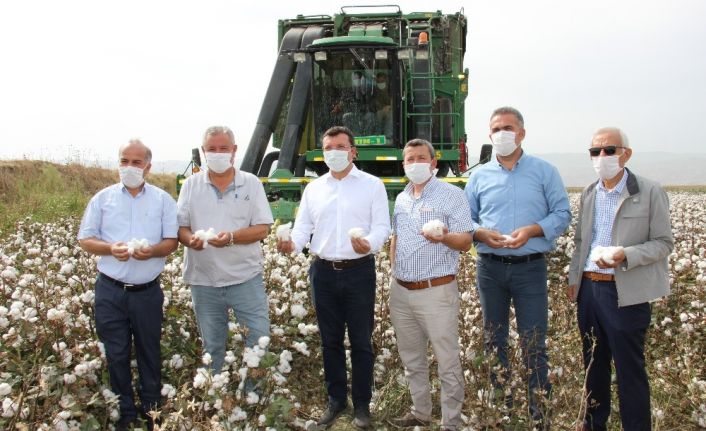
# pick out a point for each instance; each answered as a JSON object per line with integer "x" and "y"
{"x": 122, "y": 316}
{"x": 346, "y": 298}
{"x": 619, "y": 335}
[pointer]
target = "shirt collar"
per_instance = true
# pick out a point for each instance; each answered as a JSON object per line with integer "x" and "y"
{"x": 517, "y": 163}
{"x": 618, "y": 187}
{"x": 428, "y": 187}
{"x": 354, "y": 172}
{"x": 140, "y": 193}
{"x": 238, "y": 179}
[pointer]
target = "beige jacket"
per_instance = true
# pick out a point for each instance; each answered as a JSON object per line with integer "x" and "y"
{"x": 643, "y": 228}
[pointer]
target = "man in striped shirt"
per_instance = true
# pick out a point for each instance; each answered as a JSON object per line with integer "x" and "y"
{"x": 424, "y": 303}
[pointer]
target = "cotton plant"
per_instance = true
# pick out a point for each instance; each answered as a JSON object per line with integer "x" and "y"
{"x": 69, "y": 382}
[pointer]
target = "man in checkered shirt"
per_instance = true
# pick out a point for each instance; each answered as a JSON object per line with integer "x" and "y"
{"x": 424, "y": 300}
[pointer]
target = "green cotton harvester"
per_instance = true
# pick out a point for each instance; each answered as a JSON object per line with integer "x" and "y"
{"x": 388, "y": 76}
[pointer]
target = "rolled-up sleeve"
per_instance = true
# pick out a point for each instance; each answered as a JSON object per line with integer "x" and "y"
{"x": 380, "y": 218}
{"x": 559, "y": 216}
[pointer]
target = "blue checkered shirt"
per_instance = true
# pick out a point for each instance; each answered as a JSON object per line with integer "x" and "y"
{"x": 417, "y": 258}
{"x": 604, "y": 210}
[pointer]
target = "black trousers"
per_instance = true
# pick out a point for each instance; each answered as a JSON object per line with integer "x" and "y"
{"x": 619, "y": 334}
{"x": 346, "y": 299}
{"x": 121, "y": 317}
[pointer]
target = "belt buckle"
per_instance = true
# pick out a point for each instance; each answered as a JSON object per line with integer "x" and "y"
{"x": 333, "y": 265}
{"x": 127, "y": 286}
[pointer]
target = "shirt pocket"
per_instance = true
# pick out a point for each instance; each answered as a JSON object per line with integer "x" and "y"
{"x": 427, "y": 214}
{"x": 240, "y": 214}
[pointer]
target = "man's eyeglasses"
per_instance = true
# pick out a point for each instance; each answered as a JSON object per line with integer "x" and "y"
{"x": 608, "y": 150}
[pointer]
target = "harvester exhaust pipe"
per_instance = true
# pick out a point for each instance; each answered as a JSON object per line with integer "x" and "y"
{"x": 298, "y": 105}
{"x": 272, "y": 105}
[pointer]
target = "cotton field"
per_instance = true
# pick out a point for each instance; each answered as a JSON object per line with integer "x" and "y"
{"x": 53, "y": 374}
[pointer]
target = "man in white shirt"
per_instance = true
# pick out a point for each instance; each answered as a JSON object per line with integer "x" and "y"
{"x": 343, "y": 273}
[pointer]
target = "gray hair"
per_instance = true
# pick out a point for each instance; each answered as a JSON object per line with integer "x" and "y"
{"x": 219, "y": 130}
{"x": 623, "y": 137}
{"x": 136, "y": 141}
{"x": 419, "y": 143}
{"x": 509, "y": 110}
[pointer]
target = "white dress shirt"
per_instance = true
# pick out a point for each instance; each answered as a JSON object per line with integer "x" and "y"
{"x": 330, "y": 208}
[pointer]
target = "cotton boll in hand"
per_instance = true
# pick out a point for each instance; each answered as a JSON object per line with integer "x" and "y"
{"x": 284, "y": 231}
{"x": 356, "y": 232}
{"x": 136, "y": 244}
{"x": 433, "y": 228}
{"x": 205, "y": 235}
{"x": 605, "y": 253}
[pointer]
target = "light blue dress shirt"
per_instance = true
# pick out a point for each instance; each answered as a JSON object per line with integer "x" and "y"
{"x": 504, "y": 200}
{"x": 113, "y": 215}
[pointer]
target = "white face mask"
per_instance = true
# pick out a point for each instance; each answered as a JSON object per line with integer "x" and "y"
{"x": 218, "y": 162}
{"x": 336, "y": 160}
{"x": 131, "y": 176}
{"x": 606, "y": 167}
{"x": 382, "y": 85}
{"x": 504, "y": 142}
{"x": 418, "y": 173}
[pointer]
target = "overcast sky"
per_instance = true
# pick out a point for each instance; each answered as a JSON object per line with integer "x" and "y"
{"x": 79, "y": 78}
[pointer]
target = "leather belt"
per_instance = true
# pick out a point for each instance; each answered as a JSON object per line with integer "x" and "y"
{"x": 423, "y": 284}
{"x": 598, "y": 276}
{"x": 339, "y": 265}
{"x": 512, "y": 259}
{"x": 127, "y": 286}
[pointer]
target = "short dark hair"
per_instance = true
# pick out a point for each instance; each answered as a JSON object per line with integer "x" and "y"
{"x": 509, "y": 110}
{"x": 337, "y": 130}
{"x": 420, "y": 143}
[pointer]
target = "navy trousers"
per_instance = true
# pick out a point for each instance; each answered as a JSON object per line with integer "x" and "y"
{"x": 619, "y": 334}
{"x": 121, "y": 317}
{"x": 346, "y": 299}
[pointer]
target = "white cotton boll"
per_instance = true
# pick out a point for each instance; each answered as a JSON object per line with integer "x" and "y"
{"x": 136, "y": 244}
{"x": 298, "y": 310}
{"x": 263, "y": 342}
{"x": 434, "y": 228}
{"x": 356, "y": 232}
{"x": 66, "y": 269}
{"x": 252, "y": 398}
{"x": 507, "y": 238}
{"x": 205, "y": 235}
{"x": 284, "y": 231}
{"x": 5, "y": 389}
{"x": 206, "y": 359}
{"x": 168, "y": 391}
{"x": 605, "y": 253}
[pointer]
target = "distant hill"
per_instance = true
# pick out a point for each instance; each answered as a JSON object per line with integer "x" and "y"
{"x": 663, "y": 167}
{"x": 575, "y": 169}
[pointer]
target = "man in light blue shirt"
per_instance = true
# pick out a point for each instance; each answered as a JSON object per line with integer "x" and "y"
{"x": 519, "y": 206}
{"x": 132, "y": 227}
